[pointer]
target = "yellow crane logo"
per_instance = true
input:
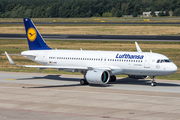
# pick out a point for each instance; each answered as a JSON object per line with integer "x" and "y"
{"x": 31, "y": 34}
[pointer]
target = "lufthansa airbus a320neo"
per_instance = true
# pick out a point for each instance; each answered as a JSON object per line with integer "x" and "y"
{"x": 98, "y": 67}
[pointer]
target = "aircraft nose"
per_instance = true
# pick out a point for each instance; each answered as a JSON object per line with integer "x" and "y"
{"x": 176, "y": 68}
{"x": 173, "y": 68}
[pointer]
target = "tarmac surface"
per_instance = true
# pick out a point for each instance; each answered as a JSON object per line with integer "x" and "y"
{"x": 98, "y": 37}
{"x": 95, "y": 23}
{"x": 50, "y": 96}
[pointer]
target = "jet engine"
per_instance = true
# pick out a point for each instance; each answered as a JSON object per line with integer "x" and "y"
{"x": 138, "y": 76}
{"x": 97, "y": 76}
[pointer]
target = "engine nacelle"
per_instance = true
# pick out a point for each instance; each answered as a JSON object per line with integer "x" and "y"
{"x": 97, "y": 76}
{"x": 138, "y": 76}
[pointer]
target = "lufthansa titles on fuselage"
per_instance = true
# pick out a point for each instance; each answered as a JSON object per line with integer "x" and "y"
{"x": 128, "y": 56}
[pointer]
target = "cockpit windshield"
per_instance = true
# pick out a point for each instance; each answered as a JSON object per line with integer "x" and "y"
{"x": 163, "y": 61}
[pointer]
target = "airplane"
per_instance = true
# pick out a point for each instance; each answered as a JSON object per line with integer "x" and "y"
{"x": 98, "y": 67}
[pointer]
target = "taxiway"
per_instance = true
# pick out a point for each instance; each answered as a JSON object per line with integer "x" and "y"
{"x": 44, "y": 96}
{"x": 98, "y": 37}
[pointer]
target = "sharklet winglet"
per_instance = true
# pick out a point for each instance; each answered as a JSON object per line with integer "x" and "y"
{"x": 9, "y": 58}
{"x": 137, "y": 47}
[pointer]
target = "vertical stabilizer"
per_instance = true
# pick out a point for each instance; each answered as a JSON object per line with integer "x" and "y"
{"x": 35, "y": 40}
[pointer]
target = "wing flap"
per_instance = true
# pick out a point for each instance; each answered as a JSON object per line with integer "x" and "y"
{"x": 55, "y": 67}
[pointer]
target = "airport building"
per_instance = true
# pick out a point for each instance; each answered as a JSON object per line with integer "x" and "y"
{"x": 148, "y": 14}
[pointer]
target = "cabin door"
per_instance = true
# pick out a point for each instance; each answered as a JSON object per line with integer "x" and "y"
{"x": 147, "y": 62}
{"x": 45, "y": 58}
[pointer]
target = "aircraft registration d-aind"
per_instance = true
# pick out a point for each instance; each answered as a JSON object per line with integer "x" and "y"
{"x": 98, "y": 67}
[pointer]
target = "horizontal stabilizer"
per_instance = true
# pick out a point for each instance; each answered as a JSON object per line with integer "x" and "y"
{"x": 20, "y": 54}
{"x": 13, "y": 54}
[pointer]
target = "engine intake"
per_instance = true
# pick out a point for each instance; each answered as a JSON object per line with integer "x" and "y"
{"x": 97, "y": 76}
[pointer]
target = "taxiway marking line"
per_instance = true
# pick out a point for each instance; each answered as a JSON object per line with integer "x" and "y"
{"x": 10, "y": 79}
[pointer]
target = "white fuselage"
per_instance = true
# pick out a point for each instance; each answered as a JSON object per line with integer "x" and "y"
{"x": 130, "y": 63}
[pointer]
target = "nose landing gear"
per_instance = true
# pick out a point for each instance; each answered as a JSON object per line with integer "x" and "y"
{"x": 153, "y": 83}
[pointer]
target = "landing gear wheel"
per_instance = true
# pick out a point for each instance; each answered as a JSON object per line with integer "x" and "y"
{"x": 112, "y": 78}
{"x": 83, "y": 82}
{"x": 153, "y": 84}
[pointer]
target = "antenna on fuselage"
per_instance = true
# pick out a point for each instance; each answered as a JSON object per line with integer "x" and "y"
{"x": 137, "y": 47}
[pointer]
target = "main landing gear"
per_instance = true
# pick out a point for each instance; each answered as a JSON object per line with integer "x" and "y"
{"x": 84, "y": 82}
{"x": 153, "y": 83}
{"x": 112, "y": 78}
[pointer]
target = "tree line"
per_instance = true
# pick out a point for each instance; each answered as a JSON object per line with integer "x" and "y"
{"x": 84, "y": 8}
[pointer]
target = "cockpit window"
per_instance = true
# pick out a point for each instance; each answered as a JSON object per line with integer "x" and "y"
{"x": 163, "y": 61}
{"x": 167, "y": 60}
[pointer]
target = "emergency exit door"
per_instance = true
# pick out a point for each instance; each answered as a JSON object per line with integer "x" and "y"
{"x": 147, "y": 62}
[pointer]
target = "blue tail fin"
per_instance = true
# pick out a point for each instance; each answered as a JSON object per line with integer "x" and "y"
{"x": 35, "y": 40}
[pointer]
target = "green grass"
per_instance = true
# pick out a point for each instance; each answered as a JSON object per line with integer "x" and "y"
{"x": 175, "y": 76}
{"x": 96, "y": 29}
{"x": 95, "y": 19}
{"x": 104, "y": 30}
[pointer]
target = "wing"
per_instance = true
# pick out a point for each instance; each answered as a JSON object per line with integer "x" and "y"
{"x": 56, "y": 67}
